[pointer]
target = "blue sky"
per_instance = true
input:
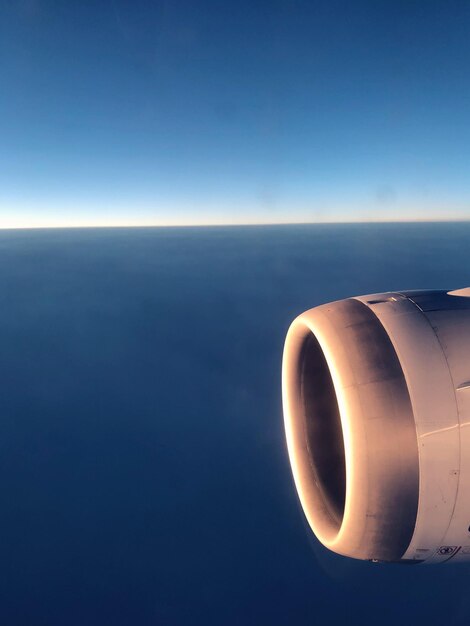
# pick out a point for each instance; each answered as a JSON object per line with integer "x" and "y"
{"x": 233, "y": 112}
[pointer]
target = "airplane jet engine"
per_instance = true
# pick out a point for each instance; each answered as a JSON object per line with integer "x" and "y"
{"x": 376, "y": 399}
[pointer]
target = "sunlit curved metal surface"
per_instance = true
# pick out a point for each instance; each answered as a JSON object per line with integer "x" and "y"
{"x": 376, "y": 398}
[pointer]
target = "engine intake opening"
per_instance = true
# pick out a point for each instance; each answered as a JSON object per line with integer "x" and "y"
{"x": 319, "y": 418}
{"x": 350, "y": 431}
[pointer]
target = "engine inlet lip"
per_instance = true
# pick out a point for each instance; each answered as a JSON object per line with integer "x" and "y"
{"x": 324, "y": 510}
{"x": 381, "y": 485}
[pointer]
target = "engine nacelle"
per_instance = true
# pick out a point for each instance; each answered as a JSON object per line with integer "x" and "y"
{"x": 376, "y": 397}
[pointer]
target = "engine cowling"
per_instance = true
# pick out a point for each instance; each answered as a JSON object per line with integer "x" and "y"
{"x": 376, "y": 399}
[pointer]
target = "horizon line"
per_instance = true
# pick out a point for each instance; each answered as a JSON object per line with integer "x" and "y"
{"x": 117, "y": 225}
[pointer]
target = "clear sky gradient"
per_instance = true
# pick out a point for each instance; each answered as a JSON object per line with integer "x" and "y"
{"x": 182, "y": 112}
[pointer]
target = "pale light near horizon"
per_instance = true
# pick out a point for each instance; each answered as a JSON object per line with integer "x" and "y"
{"x": 21, "y": 219}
